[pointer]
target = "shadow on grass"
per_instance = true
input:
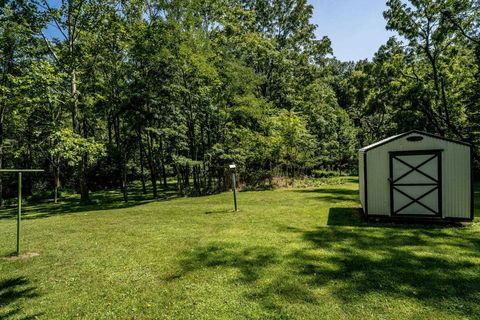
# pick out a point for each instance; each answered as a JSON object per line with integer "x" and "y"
{"x": 218, "y": 211}
{"x": 345, "y": 217}
{"x": 12, "y": 291}
{"x": 339, "y": 191}
{"x": 477, "y": 199}
{"x": 332, "y": 195}
{"x": 99, "y": 200}
{"x": 434, "y": 268}
{"x": 354, "y": 217}
{"x": 249, "y": 261}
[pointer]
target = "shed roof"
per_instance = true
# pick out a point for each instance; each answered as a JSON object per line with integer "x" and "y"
{"x": 401, "y": 135}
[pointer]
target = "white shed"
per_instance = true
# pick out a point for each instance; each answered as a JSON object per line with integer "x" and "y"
{"x": 416, "y": 175}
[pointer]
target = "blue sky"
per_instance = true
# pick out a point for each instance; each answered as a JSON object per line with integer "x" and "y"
{"x": 356, "y": 27}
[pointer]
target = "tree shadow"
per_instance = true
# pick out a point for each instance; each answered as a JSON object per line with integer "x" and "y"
{"x": 352, "y": 179}
{"x": 253, "y": 265}
{"x": 345, "y": 217}
{"x": 476, "y": 192}
{"x": 397, "y": 262}
{"x": 100, "y": 200}
{"x": 249, "y": 261}
{"x": 12, "y": 291}
{"x": 435, "y": 267}
{"x": 340, "y": 191}
{"x": 332, "y": 195}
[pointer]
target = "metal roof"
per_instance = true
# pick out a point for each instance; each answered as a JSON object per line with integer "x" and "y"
{"x": 398, "y": 136}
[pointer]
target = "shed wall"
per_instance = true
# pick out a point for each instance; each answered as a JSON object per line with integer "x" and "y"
{"x": 456, "y": 182}
{"x": 361, "y": 178}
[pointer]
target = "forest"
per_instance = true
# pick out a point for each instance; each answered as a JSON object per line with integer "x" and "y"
{"x": 106, "y": 93}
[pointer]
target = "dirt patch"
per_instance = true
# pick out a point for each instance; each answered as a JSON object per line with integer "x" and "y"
{"x": 27, "y": 255}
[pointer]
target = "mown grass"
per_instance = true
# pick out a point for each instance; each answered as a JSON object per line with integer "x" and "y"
{"x": 288, "y": 254}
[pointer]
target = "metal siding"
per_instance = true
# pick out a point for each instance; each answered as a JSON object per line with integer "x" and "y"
{"x": 456, "y": 182}
{"x": 455, "y": 173}
{"x": 378, "y": 170}
{"x": 361, "y": 181}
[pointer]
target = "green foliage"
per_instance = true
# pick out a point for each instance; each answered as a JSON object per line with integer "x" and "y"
{"x": 293, "y": 143}
{"x": 152, "y": 90}
{"x": 325, "y": 174}
{"x": 424, "y": 79}
{"x": 69, "y": 146}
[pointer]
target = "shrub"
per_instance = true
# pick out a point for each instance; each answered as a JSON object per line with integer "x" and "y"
{"x": 325, "y": 174}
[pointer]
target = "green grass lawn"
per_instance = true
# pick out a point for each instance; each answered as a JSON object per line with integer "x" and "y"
{"x": 289, "y": 254}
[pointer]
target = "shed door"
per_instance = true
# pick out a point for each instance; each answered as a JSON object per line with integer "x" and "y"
{"x": 415, "y": 183}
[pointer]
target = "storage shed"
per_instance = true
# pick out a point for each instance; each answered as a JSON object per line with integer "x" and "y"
{"x": 416, "y": 175}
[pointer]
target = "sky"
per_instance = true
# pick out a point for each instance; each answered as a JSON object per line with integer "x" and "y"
{"x": 355, "y": 27}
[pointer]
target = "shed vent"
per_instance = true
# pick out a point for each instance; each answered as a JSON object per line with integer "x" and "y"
{"x": 415, "y": 138}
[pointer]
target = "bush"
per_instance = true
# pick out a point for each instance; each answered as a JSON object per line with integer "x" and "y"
{"x": 325, "y": 174}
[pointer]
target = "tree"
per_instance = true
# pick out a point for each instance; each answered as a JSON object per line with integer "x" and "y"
{"x": 293, "y": 142}
{"x": 432, "y": 37}
{"x": 72, "y": 21}
{"x": 69, "y": 146}
{"x": 18, "y": 23}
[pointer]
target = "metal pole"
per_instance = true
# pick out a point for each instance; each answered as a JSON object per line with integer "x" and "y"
{"x": 234, "y": 187}
{"x": 19, "y": 216}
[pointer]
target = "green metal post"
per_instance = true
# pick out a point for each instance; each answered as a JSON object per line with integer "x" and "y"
{"x": 234, "y": 187}
{"x": 19, "y": 217}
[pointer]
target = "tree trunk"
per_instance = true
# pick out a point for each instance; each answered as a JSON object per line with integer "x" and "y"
{"x": 164, "y": 175}
{"x": 152, "y": 165}
{"x": 84, "y": 192}
{"x": 142, "y": 170}
{"x": 162, "y": 165}
{"x": 179, "y": 180}
{"x": 83, "y": 167}
{"x": 121, "y": 161}
{"x": 2, "y": 139}
{"x": 56, "y": 173}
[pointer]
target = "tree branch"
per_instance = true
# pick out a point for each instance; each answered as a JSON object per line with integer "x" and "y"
{"x": 449, "y": 17}
{"x": 49, "y": 46}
